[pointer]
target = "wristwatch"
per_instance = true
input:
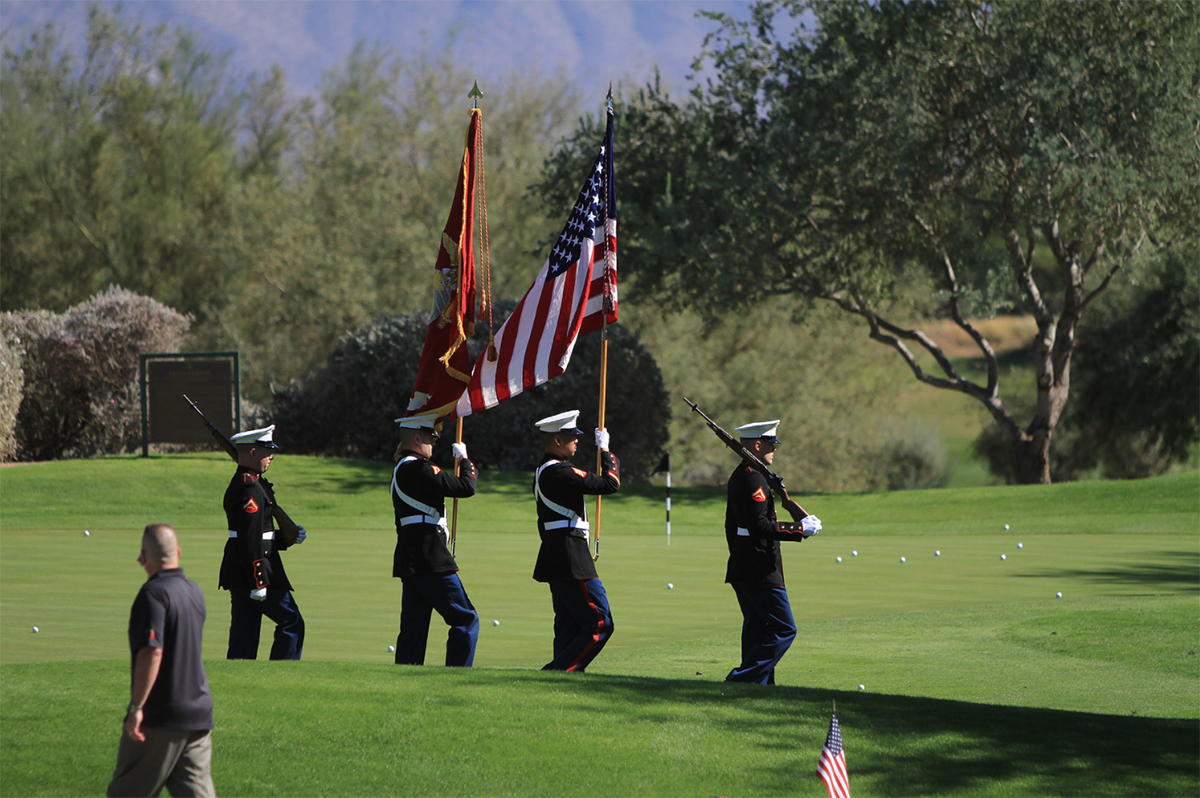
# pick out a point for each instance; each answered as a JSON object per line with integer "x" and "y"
{"x": 133, "y": 708}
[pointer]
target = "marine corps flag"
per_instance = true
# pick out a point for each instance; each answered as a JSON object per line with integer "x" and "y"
{"x": 445, "y": 366}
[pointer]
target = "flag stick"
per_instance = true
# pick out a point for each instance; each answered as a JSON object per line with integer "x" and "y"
{"x": 454, "y": 514}
{"x": 600, "y": 420}
{"x": 668, "y": 507}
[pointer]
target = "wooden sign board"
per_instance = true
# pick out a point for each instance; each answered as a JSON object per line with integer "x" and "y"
{"x": 208, "y": 383}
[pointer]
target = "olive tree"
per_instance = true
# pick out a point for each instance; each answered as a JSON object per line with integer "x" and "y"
{"x": 920, "y": 160}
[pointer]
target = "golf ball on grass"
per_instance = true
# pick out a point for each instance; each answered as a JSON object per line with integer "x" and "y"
{"x": 1006, "y": 527}
{"x": 1004, "y": 556}
{"x": 87, "y": 534}
{"x": 1020, "y": 545}
{"x": 391, "y": 649}
{"x": 495, "y": 623}
{"x": 1058, "y": 595}
{"x": 670, "y": 585}
{"x": 839, "y": 559}
{"x": 854, "y": 554}
{"x": 901, "y": 559}
{"x": 862, "y": 687}
{"x": 937, "y": 553}
{"x": 35, "y": 629}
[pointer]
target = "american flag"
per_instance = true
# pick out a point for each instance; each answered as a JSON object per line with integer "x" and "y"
{"x": 831, "y": 767}
{"x": 576, "y": 291}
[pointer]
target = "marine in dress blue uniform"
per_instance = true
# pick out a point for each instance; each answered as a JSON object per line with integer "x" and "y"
{"x": 583, "y": 622}
{"x": 755, "y": 568}
{"x": 423, "y": 560}
{"x": 251, "y": 569}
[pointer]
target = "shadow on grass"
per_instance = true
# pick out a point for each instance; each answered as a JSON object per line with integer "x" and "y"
{"x": 1178, "y": 572}
{"x": 925, "y": 746}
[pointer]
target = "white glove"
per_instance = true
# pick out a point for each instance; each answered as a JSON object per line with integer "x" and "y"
{"x": 602, "y": 439}
{"x": 810, "y": 525}
{"x": 301, "y": 536}
{"x": 259, "y": 594}
{"x": 459, "y": 450}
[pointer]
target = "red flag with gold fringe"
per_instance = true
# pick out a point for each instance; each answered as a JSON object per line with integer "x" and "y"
{"x": 445, "y": 368}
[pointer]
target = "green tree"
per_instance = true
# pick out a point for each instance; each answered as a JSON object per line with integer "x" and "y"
{"x": 907, "y": 161}
{"x": 1135, "y": 406}
{"x": 114, "y": 169}
{"x": 339, "y": 217}
{"x": 277, "y": 223}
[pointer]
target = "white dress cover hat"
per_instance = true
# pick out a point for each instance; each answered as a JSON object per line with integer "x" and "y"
{"x": 258, "y": 437}
{"x": 759, "y": 429}
{"x": 423, "y": 421}
{"x": 562, "y": 422}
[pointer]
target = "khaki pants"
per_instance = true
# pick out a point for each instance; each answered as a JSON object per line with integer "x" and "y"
{"x": 178, "y": 759}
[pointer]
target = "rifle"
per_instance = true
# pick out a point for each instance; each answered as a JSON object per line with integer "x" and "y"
{"x": 220, "y": 437}
{"x": 289, "y": 530}
{"x": 773, "y": 480}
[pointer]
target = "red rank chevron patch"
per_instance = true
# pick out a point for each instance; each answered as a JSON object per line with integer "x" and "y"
{"x": 250, "y": 506}
{"x": 578, "y": 472}
{"x": 759, "y": 495}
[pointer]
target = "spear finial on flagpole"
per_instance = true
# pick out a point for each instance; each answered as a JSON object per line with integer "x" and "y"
{"x": 610, "y": 95}
{"x": 475, "y": 94}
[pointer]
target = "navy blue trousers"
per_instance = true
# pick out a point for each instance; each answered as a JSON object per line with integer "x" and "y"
{"x": 582, "y": 623}
{"x": 767, "y": 631}
{"x": 424, "y": 593}
{"x": 246, "y": 616}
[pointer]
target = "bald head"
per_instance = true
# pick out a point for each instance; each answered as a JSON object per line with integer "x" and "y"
{"x": 160, "y": 549}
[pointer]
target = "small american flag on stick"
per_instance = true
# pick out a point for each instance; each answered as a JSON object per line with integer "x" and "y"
{"x": 831, "y": 767}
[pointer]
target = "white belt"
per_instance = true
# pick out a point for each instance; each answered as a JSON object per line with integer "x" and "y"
{"x": 576, "y": 524}
{"x": 266, "y": 535}
{"x": 743, "y": 532}
{"x": 423, "y": 519}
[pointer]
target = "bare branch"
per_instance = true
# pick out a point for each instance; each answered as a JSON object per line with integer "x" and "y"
{"x": 1023, "y": 274}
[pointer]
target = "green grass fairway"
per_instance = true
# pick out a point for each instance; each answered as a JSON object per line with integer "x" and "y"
{"x": 353, "y": 729}
{"x": 978, "y": 680}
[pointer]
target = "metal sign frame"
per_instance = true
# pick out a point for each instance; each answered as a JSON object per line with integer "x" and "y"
{"x": 145, "y": 389}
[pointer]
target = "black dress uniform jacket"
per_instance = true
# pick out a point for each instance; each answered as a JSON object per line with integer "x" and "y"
{"x": 564, "y": 553}
{"x": 753, "y": 532}
{"x": 252, "y": 557}
{"x": 421, "y": 545}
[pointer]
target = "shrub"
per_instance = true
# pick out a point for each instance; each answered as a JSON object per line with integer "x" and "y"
{"x": 348, "y": 407}
{"x": 81, "y": 373}
{"x": 12, "y": 383}
{"x": 914, "y": 458}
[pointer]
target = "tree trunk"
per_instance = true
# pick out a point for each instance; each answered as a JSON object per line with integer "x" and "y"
{"x": 1033, "y": 459}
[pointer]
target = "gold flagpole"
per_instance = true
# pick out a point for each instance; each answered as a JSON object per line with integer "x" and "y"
{"x": 454, "y": 512}
{"x": 474, "y": 94}
{"x": 600, "y": 423}
{"x": 603, "y": 362}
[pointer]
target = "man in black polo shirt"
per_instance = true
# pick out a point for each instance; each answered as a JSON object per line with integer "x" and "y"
{"x": 166, "y": 738}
